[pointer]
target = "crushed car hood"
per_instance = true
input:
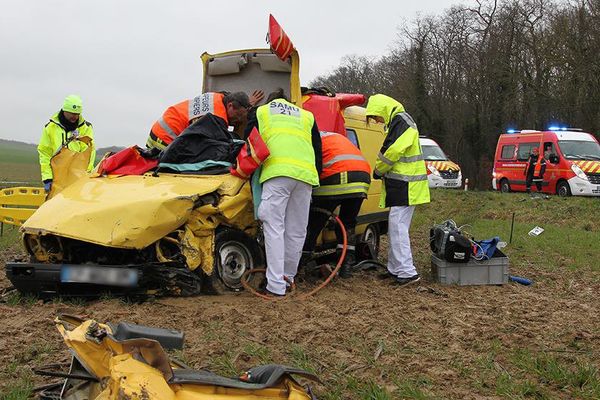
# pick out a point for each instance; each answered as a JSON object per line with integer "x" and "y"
{"x": 126, "y": 212}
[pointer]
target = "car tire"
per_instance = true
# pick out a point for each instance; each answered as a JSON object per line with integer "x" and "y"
{"x": 235, "y": 253}
{"x": 504, "y": 186}
{"x": 563, "y": 189}
{"x": 372, "y": 236}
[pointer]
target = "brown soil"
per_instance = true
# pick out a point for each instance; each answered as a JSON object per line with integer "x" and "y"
{"x": 362, "y": 327}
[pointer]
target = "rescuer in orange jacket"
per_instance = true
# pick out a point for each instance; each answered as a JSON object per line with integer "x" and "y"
{"x": 344, "y": 182}
{"x": 534, "y": 170}
{"x": 231, "y": 107}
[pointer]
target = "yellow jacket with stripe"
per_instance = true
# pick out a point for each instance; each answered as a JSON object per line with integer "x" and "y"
{"x": 54, "y": 136}
{"x": 289, "y": 133}
{"x": 400, "y": 160}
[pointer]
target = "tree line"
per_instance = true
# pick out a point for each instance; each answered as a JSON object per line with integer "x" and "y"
{"x": 474, "y": 72}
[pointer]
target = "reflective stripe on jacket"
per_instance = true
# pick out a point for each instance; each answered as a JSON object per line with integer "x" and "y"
{"x": 286, "y": 129}
{"x": 53, "y": 137}
{"x": 345, "y": 170}
{"x": 400, "y": 160}
{"x": 177, "y": 117}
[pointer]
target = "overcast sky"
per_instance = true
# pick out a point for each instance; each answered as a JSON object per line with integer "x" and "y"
{"x": 129, "y": 60}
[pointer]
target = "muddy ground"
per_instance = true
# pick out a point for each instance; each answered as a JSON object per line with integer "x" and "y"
{"x": 363, "y": 336}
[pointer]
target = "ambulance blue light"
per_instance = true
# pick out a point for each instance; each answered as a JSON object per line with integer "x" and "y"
{"x": 554, "y": 128}
{"x": 511, "y": 131}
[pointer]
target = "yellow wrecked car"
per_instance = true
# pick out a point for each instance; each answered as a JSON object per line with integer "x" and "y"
{"x": 128, "y": 361}
{"x": 167, "y": 233}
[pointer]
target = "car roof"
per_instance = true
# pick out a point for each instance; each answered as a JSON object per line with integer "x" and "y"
{"x": 427, "y": 142}
{"x": 560, "y": 135}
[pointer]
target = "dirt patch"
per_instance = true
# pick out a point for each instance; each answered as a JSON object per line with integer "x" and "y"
{"x": 448, "y": 342}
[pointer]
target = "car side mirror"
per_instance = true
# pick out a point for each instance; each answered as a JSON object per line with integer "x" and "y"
{"x": 554, "y": 159}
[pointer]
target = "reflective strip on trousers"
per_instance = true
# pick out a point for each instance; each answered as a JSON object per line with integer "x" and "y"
{"x": 163, "y": 124}
{"x": 150, "y": 143}
{"x": 343, "y": 157}
{"x": 406, "y": 178}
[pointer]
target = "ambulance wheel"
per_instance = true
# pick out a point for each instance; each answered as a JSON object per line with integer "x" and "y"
{"x": 235, "y": 253}
{"x": 371, "y": 236}
{"x": 563, "y": 189}
{"x": 504, "y": 186}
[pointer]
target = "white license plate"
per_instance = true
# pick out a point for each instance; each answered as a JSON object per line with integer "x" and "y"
{"x": 99, "y": 275}
{"x": 449, "y": 184}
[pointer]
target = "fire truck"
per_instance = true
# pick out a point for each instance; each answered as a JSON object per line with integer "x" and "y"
{"x": 572, "y": 161}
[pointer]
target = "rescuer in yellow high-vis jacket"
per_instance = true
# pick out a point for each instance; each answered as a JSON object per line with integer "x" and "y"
{"x": 401, "y": 166}
{"x": 63, "y": 128}
{"x": 287, "y": 177}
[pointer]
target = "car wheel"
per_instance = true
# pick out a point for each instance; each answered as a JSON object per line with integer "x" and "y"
{"x": 504, "y": 186}
{"x": 371, "y": 236}
{"x": 235, "y": 253}
{"x": 563, "y": 189}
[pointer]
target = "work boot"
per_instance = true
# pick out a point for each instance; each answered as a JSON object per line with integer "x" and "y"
{"x": 408, "y": 281}
{"x": 346, "y": 269}
{"x": 350, "y": 259}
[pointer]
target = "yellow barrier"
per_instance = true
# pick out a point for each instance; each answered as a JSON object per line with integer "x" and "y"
{"x": 19, "y": 203}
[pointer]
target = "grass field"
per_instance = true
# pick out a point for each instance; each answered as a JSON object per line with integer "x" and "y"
{"x": 19, "y": 162}
{"x": 367, "y": 340}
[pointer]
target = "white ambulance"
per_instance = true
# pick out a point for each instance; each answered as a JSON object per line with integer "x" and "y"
{"x": 441, "y": 171}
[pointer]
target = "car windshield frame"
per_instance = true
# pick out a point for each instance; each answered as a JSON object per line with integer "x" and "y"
{"x": 439, "y": 149}
{"x": 575, "y": 150}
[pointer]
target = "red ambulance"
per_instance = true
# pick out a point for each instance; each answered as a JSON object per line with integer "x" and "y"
{"x": 572, "y": 161}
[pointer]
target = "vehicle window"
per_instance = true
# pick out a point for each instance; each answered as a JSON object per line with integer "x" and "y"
{"x": 525, "y": 150}
{"x": 508, "y": 152}
{"x": 433, "y": 153}
{"x": 579, "y": 149}
{"x": 550, "y": 153}
{"x": 351, "y": 135}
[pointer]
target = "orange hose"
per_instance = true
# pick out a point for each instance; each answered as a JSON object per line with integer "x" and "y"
{"x": 315, "y": 290}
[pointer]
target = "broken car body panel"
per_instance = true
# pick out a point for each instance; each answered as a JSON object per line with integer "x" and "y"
{"x": 133, "y": 212}
{"x": 128, "y": 361}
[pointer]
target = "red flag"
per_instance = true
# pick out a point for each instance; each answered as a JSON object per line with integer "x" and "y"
{"x": 280, "y": 42}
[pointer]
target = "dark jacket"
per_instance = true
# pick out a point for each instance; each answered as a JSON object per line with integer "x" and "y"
{"x": 531, "y": 164}
{"x": 204, "y": 140}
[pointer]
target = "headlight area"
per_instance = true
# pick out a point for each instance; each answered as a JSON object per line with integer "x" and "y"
{"x": 579, "y": 172}
{"x": 433, "y": 170}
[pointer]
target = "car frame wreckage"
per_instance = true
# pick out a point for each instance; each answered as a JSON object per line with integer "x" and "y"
{"x": 165, "y": 233}
{"x": 128, "y": 361}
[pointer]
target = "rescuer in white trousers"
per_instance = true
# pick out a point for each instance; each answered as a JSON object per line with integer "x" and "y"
{"x": 400, "y": 260}
{"x": 283, "y": 210}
